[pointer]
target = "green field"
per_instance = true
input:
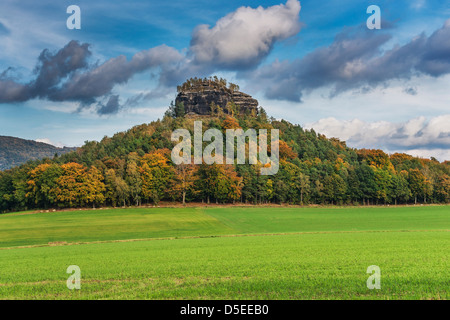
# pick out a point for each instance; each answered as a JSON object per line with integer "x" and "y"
{"x": 227, "y": 253}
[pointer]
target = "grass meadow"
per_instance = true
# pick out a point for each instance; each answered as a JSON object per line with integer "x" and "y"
{"x": 227, "y": 253}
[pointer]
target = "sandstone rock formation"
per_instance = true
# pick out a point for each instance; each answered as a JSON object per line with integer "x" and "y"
{"x": 197, "y": 98}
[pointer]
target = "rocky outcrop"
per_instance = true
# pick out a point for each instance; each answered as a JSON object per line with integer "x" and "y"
{"x": 198, "y": 100}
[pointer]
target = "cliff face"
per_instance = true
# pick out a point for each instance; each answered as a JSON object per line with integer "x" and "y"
{"x": 198, "y": 100}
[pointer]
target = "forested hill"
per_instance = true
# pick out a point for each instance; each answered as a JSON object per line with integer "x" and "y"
{"x": 16, "y": 151}
{"x": 135, "y": 167}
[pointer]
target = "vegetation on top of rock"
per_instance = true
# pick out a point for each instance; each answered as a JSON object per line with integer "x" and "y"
{"x": 198, "y": 84}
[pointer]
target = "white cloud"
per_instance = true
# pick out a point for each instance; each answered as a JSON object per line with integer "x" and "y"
{"x": 245, "y": 36}
{"x": 48, "y": 141}
{"x": 148, "y": 112}
{"x": 417, "y": 136}
{"x": 440, "y": 154}
{"x": 64, "y": 107}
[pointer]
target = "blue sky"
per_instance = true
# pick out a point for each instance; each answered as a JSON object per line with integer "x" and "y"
{"x": 310, "y": 62}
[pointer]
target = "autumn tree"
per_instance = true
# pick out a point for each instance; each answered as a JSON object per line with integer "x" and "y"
{"x": 219, "y": 182}
{"x": 303, "y": 185}
{"x": 42, "y": 184}
{"x": 442, "y": 188}
{"x": 416, "y": 181}
{"x": 184, "y": 180}
{"x": 69, "y": 185}
{"x": 382, "y": 184}
{"x": 94, "y": 187}
{"x": 286, "y": 152}
{"x": 230, "y": 123}
{"x": 399, "y": 189}
{"x": 117, "y": 190}
{"x": 334, "y": 188}
{"x": 6, "y": 191}
{"x": 77, "y": 186}
{"x": 133, "y": 178}
{"x": 156, "y": 174}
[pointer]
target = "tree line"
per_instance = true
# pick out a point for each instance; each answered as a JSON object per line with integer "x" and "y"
{"x": 135, "y": 167}
{"x": 212, "y": 82}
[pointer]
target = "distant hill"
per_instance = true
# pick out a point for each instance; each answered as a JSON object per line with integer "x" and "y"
{"x": 16, "y": 151}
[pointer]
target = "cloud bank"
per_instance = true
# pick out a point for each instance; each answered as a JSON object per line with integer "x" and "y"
{"x": 419, "y": 136}
{"x": 355, "y": 61}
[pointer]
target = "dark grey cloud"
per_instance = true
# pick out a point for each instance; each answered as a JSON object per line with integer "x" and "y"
{"x": 52, "y": 69}
{"x": 435, "y": 59}
{"x": 355, "y": 61}
{"x": 111, "y": 107}
{"x": 11, "y": 91}
{"x": 67, "y": 76}
{"x": 337, "y": 65}
{"x": 100, "y": 81}
{"x": 49, "y": 72}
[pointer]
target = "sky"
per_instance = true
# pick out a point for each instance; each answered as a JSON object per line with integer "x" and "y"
{"x": 313, "y": 63}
